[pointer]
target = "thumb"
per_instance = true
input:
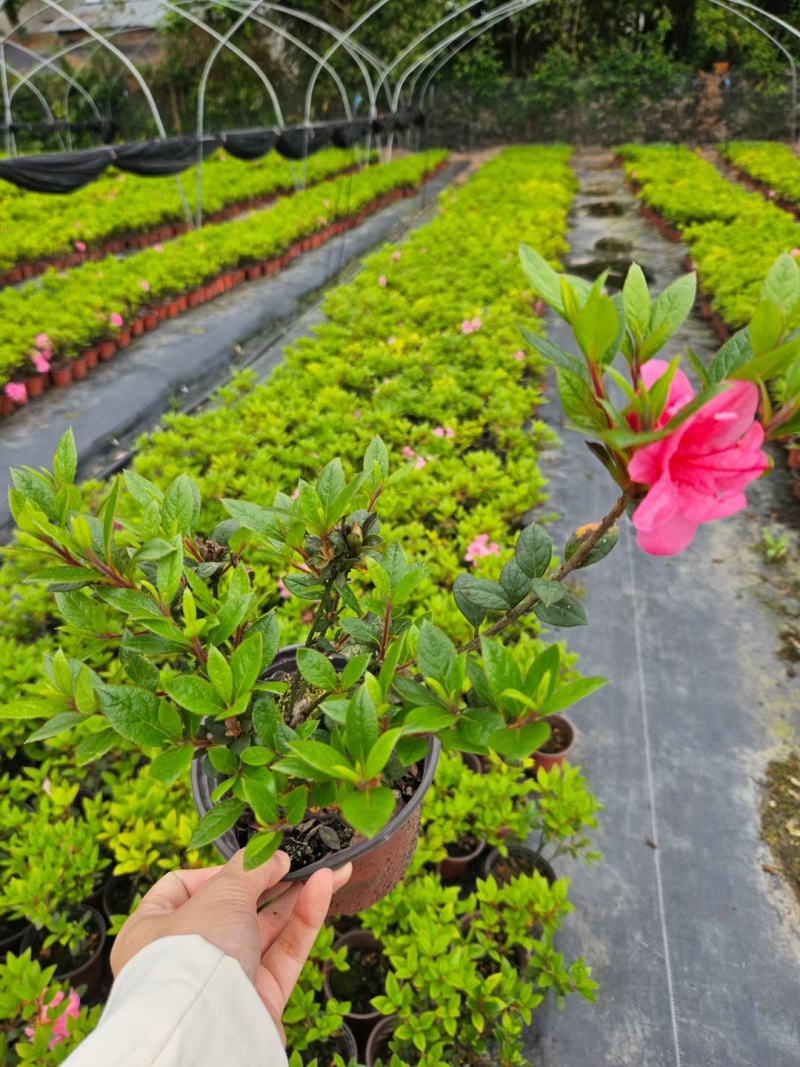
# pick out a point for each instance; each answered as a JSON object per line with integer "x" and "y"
{"x": 254, "y": 882}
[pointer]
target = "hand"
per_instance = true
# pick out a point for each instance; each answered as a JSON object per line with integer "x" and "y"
{"x": 221, "y": 904}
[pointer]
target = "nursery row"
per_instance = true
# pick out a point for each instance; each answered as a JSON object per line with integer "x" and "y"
{"x": 423, "y": 348}
{"x": 771, "y": 166}
{"x": 61, "y": 316}
{"x": 126, "y": 211}
{"x": 734, "y": 235}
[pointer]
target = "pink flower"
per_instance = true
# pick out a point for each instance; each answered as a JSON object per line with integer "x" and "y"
{"x": 795, "y": 252}
{"x": 680, "y": 389}
{"x": 634, "y": 175}
{"x": 698, "y": 473}
{"x": 115, "y": 319}
{"x": 17, "y": 392}
{"x": 444, "y": 431}
{"x": 476, "y": 323}
{"x": 41, "y": 340}
{"x": 466, "y": 326}
{"x": 41, "y": 362}
{"x": 389, "y": 341}
{"x": 80, "y": 246}
{"x": 519, "y": 355}
{"x": 481, "y": 546}
{"x": 158, "y": 247}
{"x": 396, "y": 256}
{"x": 382, "y": 281}
{"x": 60, "y": 1029}
{"x": 282, "y": 590}
{"x": 295, "y": 494}
{"x": 438, "y": 431}
{"x": 408, "y": 451}
{"x": 771, "y": 194}
{"x": 144, "y": 285}
{"x": 421, "y": 461}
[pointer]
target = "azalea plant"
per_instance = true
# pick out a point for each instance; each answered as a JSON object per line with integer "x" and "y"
{"x": 323, "y": 748}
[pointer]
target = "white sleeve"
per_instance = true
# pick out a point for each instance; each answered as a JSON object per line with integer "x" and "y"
{"x": 181, "y": 1002}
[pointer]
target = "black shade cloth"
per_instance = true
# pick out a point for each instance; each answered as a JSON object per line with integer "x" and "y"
{"x": 62, "y": 172}
{"x": 159, "y": 158}
{"x": 295, "y": 142}
{"x": 105, "y": 129}
{"x": 250, "y": 144}
{"x": 345, "y": 134}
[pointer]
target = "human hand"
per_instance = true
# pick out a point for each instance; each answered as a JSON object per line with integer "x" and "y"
{"x": 221, "y": 905}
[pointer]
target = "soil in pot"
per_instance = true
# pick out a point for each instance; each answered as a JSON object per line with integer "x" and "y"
{"x": 84, "y": 967}
{"x": 520, "y": 860}
{"x": 12, "y": 932}
{"x": 365, "y": 979}
{"x": 558, "y": 745}
{"x": 378, "y": 1045}
{"x": 119, "y": 893}
{"x": 460, "y": 854}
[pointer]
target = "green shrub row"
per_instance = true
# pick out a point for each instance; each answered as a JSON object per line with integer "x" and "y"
{"x": 36, "y": 225}
{"x": 76, "y": 309}
{"x": 734, "y": 236}
{"x": 771, "y": 163}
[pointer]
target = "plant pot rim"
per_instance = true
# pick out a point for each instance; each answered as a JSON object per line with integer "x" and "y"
{"x": 228, "y": 846}
{"x": 351, "y": 940}
{"x": 77, "y": 972}
{"x": 558, "y": 720}
{"x": 541, "y": 864}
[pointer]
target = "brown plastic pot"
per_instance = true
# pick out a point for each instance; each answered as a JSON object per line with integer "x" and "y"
{"x": 548, "y": 760}
{"x": 35, "y": 385}
{"x": 137, "y": 327}
{"x": 91, "y": 355}
{"x": 107, "y": 349}
{"x": 380, "y": 1033}
{"x": 254, "y": 272}
{"x": 62, "y": 376}
{"x": 454, "y": 868}
{"x": 359, "y": 1022}
{"x": 80, "y": 368}
{"x": 89, "y": 973}
{"x": 528, "y": 859}
{"x": 123, "y": 338}
{"x": 150, "y": 320}
{"x": 379, "y": 862}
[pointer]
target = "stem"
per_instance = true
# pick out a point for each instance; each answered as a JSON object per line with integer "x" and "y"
{"x": 527, "y": 604}
{"x": 109, "y": 572}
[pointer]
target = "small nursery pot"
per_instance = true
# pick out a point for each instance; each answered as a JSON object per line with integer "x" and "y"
{"x": 12, "y": 932}
{"x": 107, "y": 350}
{"x": 379, "y": 862}
{"x": 91, "y": 355}
{"x": 454, "y": 868}
{"x": 88, "y": 973}
{"x": 379, "y": 1036}
{"x": 35, "y": 385}
{"x": 558, "y": 746}
{"x": 62, "y": 376}
{"x": 123, "y": 338}
{"x": 360, "y": 1022}
{"x": 80, "y": 368}
{"x": 525, "y": 859}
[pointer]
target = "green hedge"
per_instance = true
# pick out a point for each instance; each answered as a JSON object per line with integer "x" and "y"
{"x": 773, "y": 164}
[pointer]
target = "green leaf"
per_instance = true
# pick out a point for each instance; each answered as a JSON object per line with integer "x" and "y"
{"x": 223, "y": 760}
{"x": 134, "y": 714}
{"x": 435, "y": 654}
{"x": 376, "y": 458}
{"x": 361, "y": 725}
{"x": 381, "y": 751}
{"x": 472, "y": 612}
{"x": 266, "y": 716}
{"x": 578, "y": 401}
{"x": 65, "y": 461}
{"x": 30, "y": 708}
{"x": 548, "y": 592}
{"x": 264, "y": 521}
{"x": 267, "y": 626}
{"x": 178, "y": 508}
{"x": 330, "y": 484}
{"x": 782, "y": 283}
{"x": 319, "y": 757}
{"x": 131, "y": 602}
{"x": 261, "y": 847}
{"x": 542, "y": 277}
{"x": 546, "y": 665}
{"x": 600, "y": 550}
{"x": 295, "y": 804}
{"x": 95, "y": 746}
{"x": 216, "y": 821}
{"x": 500, "y": 666}
{"x": 361, "y": 631}
{"x": 142, "y": 491}
{"x": 59, "y": 724}
{"x": 670, "y": 310}
{"x": 596, "y": 327}
{"x": 231, "y": 616}
{"x": 221, "y": 675}
{"x": 483, "y": 593}
{"x": 194, "y": 694}
{"x": 566, "y": 612}
{"x": 317, "y": 669}
{"x": 520, "y": 743}
{"x": 353, "y": 670}
{"x": 567, "y": 695}
{"x": 636, "y": 301}
{"x": 766, "y": 327}
{"x": 555, "y": 355}
{"x": 169, "y": 765}
{"x": 169, "y": 571}
{"x": 533, "y": 551}
{"x": 246, "y": 663}
{"x": 368, "y": 811}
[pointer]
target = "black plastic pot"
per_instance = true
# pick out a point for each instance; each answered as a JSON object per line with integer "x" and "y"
{"x": 361, "y": 1023}
{"x": 118, "y": 894}
{"x": 381, "y": 1032}
{"x": 90, "y": 972}
{"x": 12, "y": 932}
{"x": 379, "y": 862}
{"x": 528, "y": 859}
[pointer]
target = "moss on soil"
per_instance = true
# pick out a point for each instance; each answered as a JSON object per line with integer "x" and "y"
{"x": 780, "y": 816}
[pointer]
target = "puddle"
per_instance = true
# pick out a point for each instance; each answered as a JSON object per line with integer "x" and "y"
{"x": 613, "y": 244}
{"x": 606, "y": 208}
{"x": 617, "y": 270}
{"x": 599, "y": 190}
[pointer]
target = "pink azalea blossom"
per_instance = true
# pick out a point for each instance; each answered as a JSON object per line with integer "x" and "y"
{"x": 144, "y": 285}
{"x": 158, "y": 247}
{"x": 476, "y": 323}
{"x": 389, "y": 341}
{"x": 466, "y": 326}
{"x": 481, "y": 546}
{"x": 282, "y": 590}
{"x": 41, "y": 340}
{"x": 697, "y": 473}
{"x": 17, "y": 392}
{"x": 444, "y": 431}
{"x": 421, "y": 461}
{"x": 80, "y": 246}
{"x": 771, "y": 194}
{"x": 115, "y": 319}
{"x": 382, "y": 281}
{"x": 396, "y": 255}
{"x": 634, "y": 175}
{"x": 41, "y": 362}
{"x": 408, "y": 451}
{"x": 519, "y": 355}
{"x": 795, "y": 252}
{"x": 295, "y": 494}
{"x": 60, "y": 1023}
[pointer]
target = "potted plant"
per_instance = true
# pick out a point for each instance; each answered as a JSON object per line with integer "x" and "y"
{"x": 329, "y": 754}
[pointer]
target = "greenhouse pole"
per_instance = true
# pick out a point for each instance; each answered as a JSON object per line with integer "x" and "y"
{"x": 6, "y": 98}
